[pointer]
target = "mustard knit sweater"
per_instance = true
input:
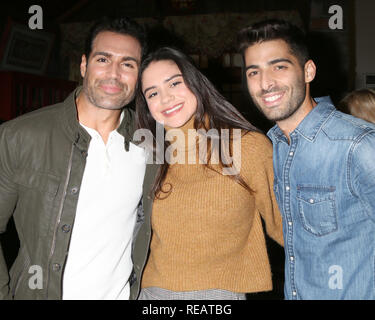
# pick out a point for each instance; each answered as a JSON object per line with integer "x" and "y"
{"x": 207, "y": 234}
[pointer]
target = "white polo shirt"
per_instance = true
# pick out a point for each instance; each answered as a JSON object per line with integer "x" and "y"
{"x": 99, "y": 259}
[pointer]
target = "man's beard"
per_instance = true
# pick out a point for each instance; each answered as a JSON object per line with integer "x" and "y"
{"x": 107, "y": 101}
{"x": 294, "y": 103}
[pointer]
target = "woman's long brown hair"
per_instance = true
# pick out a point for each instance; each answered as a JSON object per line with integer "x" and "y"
{"x": 211, "y": 104}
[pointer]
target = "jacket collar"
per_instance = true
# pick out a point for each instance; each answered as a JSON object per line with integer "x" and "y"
{"x": 80, "y": 136}
{"x": 311, "y": 124}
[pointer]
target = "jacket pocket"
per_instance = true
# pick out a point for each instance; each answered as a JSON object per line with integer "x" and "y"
{"x": 317, "y": 209}
{"x": 36, "y": 202}
{"x": 45, "y": 182}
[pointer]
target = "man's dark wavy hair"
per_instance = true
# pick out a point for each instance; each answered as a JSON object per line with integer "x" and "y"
{"x": 125, "y": 26}
{"x": 275, "y": 30}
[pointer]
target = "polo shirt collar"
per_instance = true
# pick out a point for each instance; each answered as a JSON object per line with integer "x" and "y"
{"x": 80, "y": 136}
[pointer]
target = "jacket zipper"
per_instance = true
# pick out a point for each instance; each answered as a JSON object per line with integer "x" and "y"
{"x": 59, "y": 218}
{"x": 25, "y": 264}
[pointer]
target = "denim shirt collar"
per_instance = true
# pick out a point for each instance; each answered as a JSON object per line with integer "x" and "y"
{"x": 311, "y": 124}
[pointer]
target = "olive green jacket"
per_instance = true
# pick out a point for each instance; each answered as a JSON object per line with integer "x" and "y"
{"x": 42, "y": 160}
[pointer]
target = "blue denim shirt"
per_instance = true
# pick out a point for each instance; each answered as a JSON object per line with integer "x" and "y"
{"x": 325, "y": 188}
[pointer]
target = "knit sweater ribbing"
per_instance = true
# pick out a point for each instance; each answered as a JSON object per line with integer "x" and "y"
{"x": 207, "y": 234}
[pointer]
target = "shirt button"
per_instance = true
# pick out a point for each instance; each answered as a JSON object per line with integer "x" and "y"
{"x": 56, "y": 267}
{"x": 311, "y": 200}
{"x": 294, "y": 293}
{"x": 287, "y": 188}
{"x": 291, "y": 153}
{"x": 291, "y": 258}
{"x": 65, "y": 228}
{"x": 74, "y": 190}
{"x": 290, "y": 223}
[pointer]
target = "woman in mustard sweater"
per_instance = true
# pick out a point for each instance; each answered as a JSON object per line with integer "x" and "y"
{"x": 211, "y": 191}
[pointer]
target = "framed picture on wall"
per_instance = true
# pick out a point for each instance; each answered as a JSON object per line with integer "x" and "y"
{"x": 25, "y": 50}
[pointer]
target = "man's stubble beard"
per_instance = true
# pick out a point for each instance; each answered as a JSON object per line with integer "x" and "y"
{"x": 104, "y": 101}
{"x": 295, "y": 102}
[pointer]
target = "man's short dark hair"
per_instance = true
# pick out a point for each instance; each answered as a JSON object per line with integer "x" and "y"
{"x": 275, "y": 30}
{"x": 125, "y": 26}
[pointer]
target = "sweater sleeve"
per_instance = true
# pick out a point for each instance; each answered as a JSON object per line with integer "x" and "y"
{"x": 257, "y": 171}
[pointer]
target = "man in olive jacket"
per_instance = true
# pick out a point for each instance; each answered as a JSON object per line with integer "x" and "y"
{"x": 72, "y": 177}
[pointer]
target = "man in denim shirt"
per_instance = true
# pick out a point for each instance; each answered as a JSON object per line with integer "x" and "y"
{"x": 324, "y": 163}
